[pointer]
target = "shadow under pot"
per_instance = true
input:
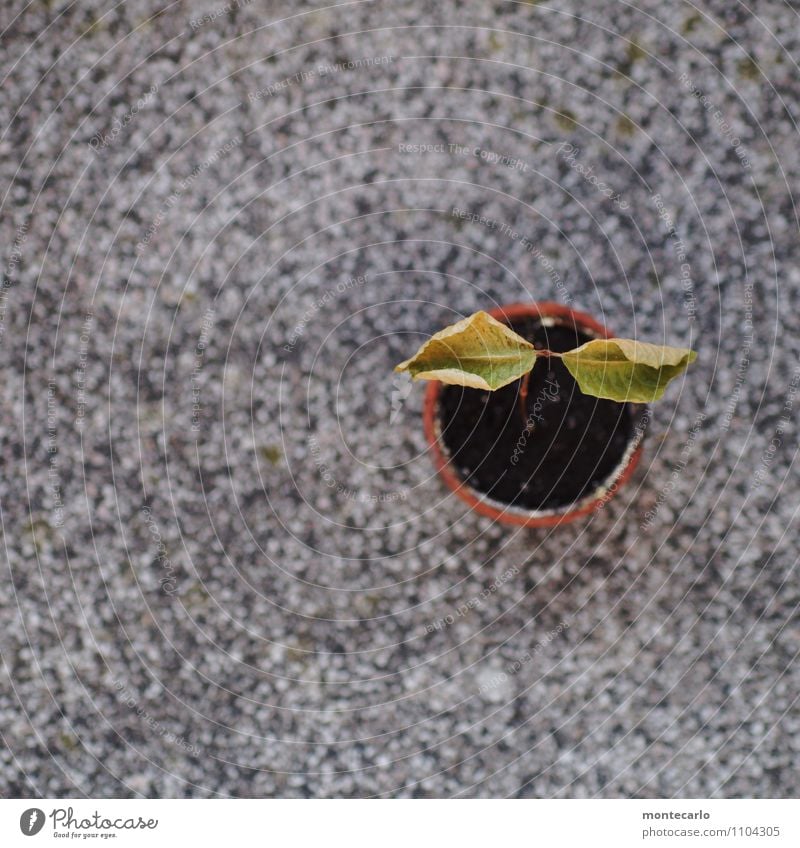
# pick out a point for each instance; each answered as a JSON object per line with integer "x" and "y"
{"x": 544, "y": 459}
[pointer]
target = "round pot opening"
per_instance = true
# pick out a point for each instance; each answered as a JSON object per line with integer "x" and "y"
{"x": 543, "y": 459}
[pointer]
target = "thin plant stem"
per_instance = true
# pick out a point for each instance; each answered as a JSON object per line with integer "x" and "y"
{"x": 523, "y": 397}
{"x": 523, "y": 389}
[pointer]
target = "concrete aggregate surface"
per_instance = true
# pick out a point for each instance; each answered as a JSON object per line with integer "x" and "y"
{"x": 229, "y": 566}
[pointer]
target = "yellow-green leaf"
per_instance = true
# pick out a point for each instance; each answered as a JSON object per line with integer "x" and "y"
{"x": 478, "y": 351}
{"x": 626, "y": 370}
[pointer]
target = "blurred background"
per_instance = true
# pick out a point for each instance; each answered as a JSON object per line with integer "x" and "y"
{"x": 229, "y": 566}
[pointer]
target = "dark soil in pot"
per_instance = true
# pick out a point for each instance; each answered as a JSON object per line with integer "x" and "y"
{"x": 566, "y": 446}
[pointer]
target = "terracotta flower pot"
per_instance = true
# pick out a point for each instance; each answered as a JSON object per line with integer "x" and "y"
{"x": 551, "y": 314}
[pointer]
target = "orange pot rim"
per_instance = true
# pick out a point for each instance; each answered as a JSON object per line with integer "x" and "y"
{"x": 497, "y": 510}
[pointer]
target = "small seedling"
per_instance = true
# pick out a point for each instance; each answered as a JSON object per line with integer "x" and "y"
{"x": 483, "y": 353}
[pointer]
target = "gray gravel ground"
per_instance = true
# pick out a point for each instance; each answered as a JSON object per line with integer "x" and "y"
{"x": 230, "y": 568}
